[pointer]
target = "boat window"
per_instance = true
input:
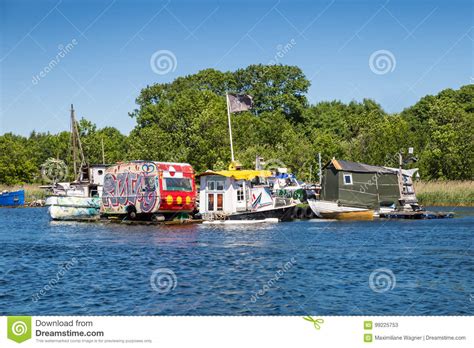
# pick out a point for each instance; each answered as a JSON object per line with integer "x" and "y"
{"x": 100, "y": 172}
{"x": 347, "y": 179}
{"x": 220, "y": 185}
{"x": 211, "y": 185}
{"x": 177, "y": 184}
{"x": 210, "y": 202}
{"x": 220, "y": 201}
{"x": 240, "y": 193}
{"x": 215, "y": 185}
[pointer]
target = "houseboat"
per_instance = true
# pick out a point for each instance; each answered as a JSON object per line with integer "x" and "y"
{"x": 239, "y": 195}
{"x": 351, "y": 190}
{"x": 146, "y": 190}
{"x": 79, "y": 199}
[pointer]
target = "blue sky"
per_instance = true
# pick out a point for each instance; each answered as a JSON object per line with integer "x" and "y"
{"x": 107, "y": 48}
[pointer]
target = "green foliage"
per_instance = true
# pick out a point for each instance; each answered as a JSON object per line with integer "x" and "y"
{"x": 16, "y": 162}
{"x": 186, "y": 121}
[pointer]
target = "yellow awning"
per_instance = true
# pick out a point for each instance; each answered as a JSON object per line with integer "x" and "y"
{"x": 239, "y": 174}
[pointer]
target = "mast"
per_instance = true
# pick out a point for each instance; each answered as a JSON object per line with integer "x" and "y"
{"x": 230, "y": 127}
{"x": 73, "y": 140}
{"x": 77, "y": 153}
{"x": 320, "y": 170}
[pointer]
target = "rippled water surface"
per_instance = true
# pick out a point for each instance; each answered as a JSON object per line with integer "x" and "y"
{"x": 294, "y": 268}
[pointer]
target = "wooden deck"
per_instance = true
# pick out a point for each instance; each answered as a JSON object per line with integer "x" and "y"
{"x": 417, "y": 215}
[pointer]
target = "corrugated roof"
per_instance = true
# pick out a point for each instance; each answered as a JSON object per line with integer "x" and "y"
{"x": 358, "y": 167}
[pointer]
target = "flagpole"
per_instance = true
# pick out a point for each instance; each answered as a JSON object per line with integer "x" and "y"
{"x": 230, "y": 127}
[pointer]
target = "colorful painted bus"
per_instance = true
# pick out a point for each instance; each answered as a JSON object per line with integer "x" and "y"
{"x": 149, "y": 190}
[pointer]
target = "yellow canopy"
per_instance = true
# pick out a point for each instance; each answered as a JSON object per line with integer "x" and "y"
{"x": 239, "y": 174}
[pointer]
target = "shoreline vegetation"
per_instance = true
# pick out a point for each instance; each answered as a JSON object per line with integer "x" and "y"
{"x": 429, "y": 193}
{"x": 445, "y": 193}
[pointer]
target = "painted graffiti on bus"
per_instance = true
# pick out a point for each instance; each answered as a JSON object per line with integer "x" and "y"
{"x": 129, "y": 188}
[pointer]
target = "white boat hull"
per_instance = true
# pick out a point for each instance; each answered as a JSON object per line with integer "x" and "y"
{"x": 73, "y": 208}
{"x": 243, "y": 222}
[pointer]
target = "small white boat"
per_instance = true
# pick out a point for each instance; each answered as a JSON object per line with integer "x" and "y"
{"x": 73, "y": 208}
{"x": 332, "y": 210}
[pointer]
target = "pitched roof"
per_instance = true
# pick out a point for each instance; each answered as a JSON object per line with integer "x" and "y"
{"x": 358, "y": 167}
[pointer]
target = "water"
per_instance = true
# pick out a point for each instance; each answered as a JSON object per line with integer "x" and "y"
{"x": 294, "y": 268}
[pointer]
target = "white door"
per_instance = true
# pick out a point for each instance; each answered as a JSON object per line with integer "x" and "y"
{"x": 215, "y": 195}
{"x": 241, "y": 193}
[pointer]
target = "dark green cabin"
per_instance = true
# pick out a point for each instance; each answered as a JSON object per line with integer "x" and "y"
{"x": 359, "y": 185}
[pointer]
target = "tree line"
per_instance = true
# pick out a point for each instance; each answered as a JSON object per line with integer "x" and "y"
{"x": 186, "y": 121}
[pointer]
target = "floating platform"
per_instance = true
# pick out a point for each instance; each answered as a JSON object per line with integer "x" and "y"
{"x": 416, "y": 215}
{"x": 144, "y": 222}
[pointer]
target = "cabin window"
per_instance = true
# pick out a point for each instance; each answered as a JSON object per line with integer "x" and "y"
{"x": 220, "y": 201}
{"x": 100, "y": 172}
{"x": 347, "y": 179}
{"x": 215, "y": 185}
{"x": 240, "y": 193}
{"x": 220, "y": 185}
{"x": 177, "y": 184}
{"x": 211, "y": 185}
{"x": 210, "y": 202}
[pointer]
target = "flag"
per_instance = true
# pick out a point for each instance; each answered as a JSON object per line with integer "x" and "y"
{"x": 238, "y": 103}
